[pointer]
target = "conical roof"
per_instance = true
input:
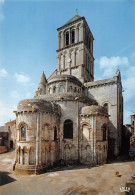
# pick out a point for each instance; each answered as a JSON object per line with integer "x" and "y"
{"x": 43, "y": 79}
{"x": 76, "y": 17}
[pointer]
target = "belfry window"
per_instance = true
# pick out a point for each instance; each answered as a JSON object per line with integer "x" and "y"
{"x": 73, "y": 36}
{"x": 23, "y": 133}
{"x": 67, "y": 38}
{"x": 68, "y": 129}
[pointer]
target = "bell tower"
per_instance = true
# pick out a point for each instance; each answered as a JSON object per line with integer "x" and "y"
{"x": 75, "y": 50}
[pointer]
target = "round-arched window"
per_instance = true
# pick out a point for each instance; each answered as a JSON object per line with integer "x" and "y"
{"x": 23, "y": 133}
{"x": 73, "y": 36}
{"x": 68, "y": 129}
{"x": 67, "y": 38}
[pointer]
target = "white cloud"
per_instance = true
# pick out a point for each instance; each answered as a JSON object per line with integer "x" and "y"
{"x": 112, "y": 62}
{"x": 15, "y": 94}
{"x": 3, "y": 73}
{"x": 6, "y": 113}
{"x": 21, "y": 78}
{"x": 109, "y": 65}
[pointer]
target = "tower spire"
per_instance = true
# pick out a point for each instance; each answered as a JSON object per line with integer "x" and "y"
{"x": 76, "y": 11}
{"x": 42, "y": 85}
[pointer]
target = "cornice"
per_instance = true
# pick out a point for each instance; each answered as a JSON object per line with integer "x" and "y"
{"x": 102, "y": 84}
{"x": 71, "y": 23}
{"x": 71, "y": 45}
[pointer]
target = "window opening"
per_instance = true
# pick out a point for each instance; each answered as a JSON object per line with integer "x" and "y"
{"x": 67, "y": 38}
{"x": 73, "y": 36}
{"x": 68, "y": 129}
{"x": 23, "y": 133}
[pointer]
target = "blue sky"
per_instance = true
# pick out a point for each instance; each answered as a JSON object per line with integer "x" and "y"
{"x": 28, "y": 43}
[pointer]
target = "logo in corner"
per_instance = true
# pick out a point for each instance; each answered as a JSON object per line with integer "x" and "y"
{"x": 124, "y": 189}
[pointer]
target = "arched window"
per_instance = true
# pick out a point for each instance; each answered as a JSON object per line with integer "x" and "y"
{"x": 68, "y": 129}
{"x": 55, "y": 133}
{"x": 61, "y": 89}
{"x": 54, "y": 89}
{"x": 73, "y": 36}
{"x": 75, "y": 89}
{"x": 67, "y": 38}
{"x": 106, "y": 106}
{"x": 23, "y": 133}
{"x": 85, "y": 132}
{"x": 104, "y": 128}
{"x": 70, "y": 89}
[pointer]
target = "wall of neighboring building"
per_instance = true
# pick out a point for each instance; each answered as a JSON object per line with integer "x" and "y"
{"x": 133, "y": 124}
{"x": 10, "y": 127}
{"x": 3, "y": 141}
{"x": 132, "y": 138}
{"x": 126, "y": 134}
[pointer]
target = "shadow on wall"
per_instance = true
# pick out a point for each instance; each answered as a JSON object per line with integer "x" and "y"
{"x": 126, "y": 134}
{"x": 112, "y": 142}
{"x": 5, "y": 178}
{"x": 123, "y": 147}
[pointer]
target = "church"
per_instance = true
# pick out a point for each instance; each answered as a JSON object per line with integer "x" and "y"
{"x": 72, "y": 118}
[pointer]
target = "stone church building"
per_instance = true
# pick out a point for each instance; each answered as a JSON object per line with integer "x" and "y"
{"x": 72, "y": 118}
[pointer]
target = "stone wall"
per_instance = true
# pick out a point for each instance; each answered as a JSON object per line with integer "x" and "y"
{"x": 106, "y": 93}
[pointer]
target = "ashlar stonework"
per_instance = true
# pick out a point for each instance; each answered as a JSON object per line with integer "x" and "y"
{"x": 72, "y": 118}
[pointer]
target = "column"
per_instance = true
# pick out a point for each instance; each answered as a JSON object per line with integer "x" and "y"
{"x": 62, "y": 40}
{"x": 59, "y": 37}
{"x": 76, "y": 35}
{"x": 81, "y": 33}
{"x": 21, "y": 157}
{"x": 69, "y": 36}
{"x": 51, "y": 153}
{"x": 69, "y": 64}
{"x": 28, "y": 153}
{"x": 63, "y": 61}
{"x": 19, "y": 153}
{"x": 58, "y": 63}
{"x": 37, "y": 139}
{"x": 75, "y": 58}
{"x": 40, "y": 134}
{"x": 94, "y": 138}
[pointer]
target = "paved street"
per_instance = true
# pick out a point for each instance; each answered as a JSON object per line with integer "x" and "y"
{"x": 69, "y": 180}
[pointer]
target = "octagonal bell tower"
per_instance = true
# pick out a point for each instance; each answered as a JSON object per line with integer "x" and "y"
{"x": 75, "y": 50}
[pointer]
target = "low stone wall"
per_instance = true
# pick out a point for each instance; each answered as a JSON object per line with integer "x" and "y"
{"x": 3, "y": 149}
